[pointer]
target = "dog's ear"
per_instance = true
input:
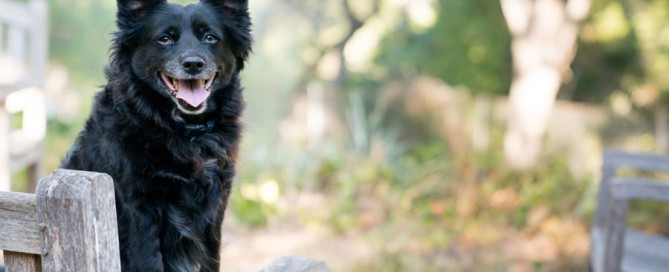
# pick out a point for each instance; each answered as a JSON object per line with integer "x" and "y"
{"x": 132, "y": 11}
{"x": 233, "y": 6}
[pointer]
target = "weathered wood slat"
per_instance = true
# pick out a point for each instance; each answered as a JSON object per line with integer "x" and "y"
{"x": 645, "y": 252}
{"x": 640, "y": 161}
{"x": 86, "y": 239}
{"x": 18, "y": 223}
{"x": 639, "y": 188}
{"x": 22, "y": 262}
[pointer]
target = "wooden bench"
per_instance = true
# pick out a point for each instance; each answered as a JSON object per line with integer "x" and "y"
{"x": 68, "y": 225}
{"x": 615, "y": 246}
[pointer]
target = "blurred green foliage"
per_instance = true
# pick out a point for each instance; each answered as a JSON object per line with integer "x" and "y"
{"x": 468, "y": 46}
{"x": 80, "y": 40}
{"x": 250, "y": 212}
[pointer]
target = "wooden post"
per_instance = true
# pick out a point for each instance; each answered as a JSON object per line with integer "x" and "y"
{"x": 615, "y": 235}
{"x": 78, "y": 214}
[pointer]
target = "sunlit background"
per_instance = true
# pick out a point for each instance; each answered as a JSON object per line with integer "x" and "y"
{"x": 397, "y": 135}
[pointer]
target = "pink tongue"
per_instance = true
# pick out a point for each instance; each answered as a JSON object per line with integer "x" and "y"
{"x": 192, "y": 92}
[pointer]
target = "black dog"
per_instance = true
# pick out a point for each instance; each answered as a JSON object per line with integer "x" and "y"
{"x": 166, "y": 128}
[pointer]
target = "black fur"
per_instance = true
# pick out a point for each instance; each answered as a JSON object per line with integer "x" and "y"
{"x": 172, "y": 162}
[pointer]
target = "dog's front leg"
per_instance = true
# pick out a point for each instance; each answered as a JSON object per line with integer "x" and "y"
{"x": 213, "y": 245}
{"x": 139, "y": 236}
{"x": 213, "y": 231}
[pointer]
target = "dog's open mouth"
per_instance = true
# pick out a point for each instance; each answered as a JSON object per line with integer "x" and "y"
{"x": 192, "y": 91}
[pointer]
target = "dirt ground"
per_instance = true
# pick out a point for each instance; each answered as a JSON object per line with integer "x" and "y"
{"x": 251, "y": 250}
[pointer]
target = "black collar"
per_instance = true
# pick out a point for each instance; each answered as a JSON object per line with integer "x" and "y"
{"x": 189, "y": 130}
{"x": 193, "y": 130}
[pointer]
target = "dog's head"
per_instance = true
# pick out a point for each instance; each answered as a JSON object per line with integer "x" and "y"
{"x": 184, "y": 52}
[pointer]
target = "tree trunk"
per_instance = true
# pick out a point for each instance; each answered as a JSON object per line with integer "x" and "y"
{"x": 543, "y": 45}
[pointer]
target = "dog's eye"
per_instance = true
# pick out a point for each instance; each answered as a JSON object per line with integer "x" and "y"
{"x": 165, "y": 40}
{"x": 210, "y": 39}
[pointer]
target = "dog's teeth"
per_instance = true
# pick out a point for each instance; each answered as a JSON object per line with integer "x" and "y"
{"x": 175, "y": 83}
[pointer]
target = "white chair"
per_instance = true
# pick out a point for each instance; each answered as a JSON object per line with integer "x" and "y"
{"x": 23, "y": 58}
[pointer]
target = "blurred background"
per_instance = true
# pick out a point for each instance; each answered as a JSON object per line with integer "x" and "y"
{"x": 397, "y": 135}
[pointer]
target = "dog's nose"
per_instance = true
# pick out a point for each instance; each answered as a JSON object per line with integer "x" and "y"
{"x": 193, "y": 65}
